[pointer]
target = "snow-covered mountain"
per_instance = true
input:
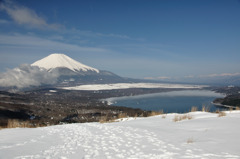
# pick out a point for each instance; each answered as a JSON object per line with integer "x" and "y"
{"x": 56, "y": 70}
{"x": 56, "y": 61}
{"x": 72, "y": 72}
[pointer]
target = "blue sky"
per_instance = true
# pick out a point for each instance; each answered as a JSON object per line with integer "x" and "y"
{"x": 132, "y": 38}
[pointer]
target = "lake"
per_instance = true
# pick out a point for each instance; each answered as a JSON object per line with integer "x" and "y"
{"x": 170, "y": 102}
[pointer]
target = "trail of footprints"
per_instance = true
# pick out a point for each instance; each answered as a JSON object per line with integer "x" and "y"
{"x": 103, "y": 141}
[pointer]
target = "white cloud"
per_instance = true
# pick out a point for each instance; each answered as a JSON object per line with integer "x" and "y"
{"x": 157, "y": 78}
{"x": 118, "y": 36}
{"x": 92, "y": 34}
{"x": 29, "y": 18}
{"x": 221, "y": 75}
{"x": 189, "y": 76}
{"x": 25, "y": 16}
{"x": 26, "y": 76}
{"x": 26, "y": 41}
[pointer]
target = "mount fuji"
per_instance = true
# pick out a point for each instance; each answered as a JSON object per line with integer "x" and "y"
{"x": 72, "y": 72}
{"x": 56, "y": 61}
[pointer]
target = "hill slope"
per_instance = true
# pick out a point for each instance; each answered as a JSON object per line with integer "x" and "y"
{"x": 204, "y": 136}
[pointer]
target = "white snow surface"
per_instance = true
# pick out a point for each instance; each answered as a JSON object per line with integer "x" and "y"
{"x": 62, "y": 61}
{"x": 130, "y": 85}
{"x": 206, "y": 136}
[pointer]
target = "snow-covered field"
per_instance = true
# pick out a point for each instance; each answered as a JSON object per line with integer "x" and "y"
{"x": 204, "y": 136}
{"x": 131, "y": 85}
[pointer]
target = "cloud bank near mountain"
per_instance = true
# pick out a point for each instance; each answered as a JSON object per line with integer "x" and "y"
{"x": 26, "y": 76}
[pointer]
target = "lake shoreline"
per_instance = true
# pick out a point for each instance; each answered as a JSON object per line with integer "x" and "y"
{"x": 189, "y": 98}
{"x": 222, "y": 105}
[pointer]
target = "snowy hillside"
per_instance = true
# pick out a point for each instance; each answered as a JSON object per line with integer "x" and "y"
{"x": 204, "y": 136}
{"x": 62, "y": 61}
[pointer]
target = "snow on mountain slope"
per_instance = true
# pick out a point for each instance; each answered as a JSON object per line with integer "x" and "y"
{"x": 204, "y": 136}
{"x": 62, "y": 61}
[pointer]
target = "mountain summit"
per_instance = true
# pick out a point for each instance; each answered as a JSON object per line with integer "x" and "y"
{"x": 71, "y": 72}
{"x": 55, "y": 61}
